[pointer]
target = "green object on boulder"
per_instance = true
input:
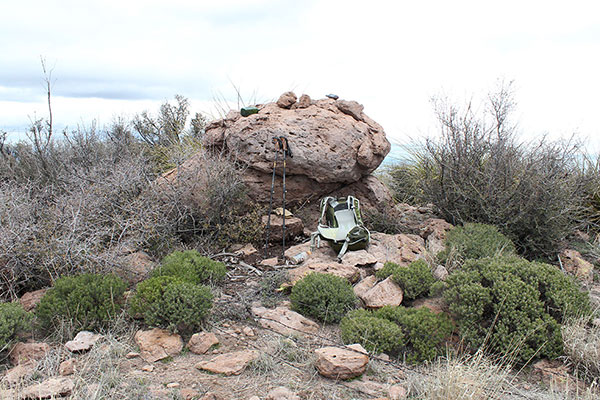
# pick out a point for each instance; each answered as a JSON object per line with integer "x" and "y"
{"x": 245, "y": 111}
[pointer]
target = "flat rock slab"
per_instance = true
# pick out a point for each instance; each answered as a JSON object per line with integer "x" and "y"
{"x": 157, "y": 344}
{"x": 229, "y": 363}
{"x": 341, "y": 363}
{"x": 26, "y": 352}
{"x": 83, "y": 341}
{"x": 50, "y": 388}
{"x": 285, "y": 321}
{"x": 201, "y": 342}
{"x": 401, "y": 249}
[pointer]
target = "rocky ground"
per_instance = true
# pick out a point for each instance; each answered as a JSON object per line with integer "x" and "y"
{"x": 255, "y": 347}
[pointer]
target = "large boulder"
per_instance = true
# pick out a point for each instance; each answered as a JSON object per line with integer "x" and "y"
{"x": 333, "y": 143}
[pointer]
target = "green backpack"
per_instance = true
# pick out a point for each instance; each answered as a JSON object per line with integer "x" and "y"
{"x": 341, "y": 225}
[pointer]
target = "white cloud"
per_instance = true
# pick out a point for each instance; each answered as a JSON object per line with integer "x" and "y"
{"x": 112, "y": 56}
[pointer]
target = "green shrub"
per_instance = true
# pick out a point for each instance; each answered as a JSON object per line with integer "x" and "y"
{"x": 513, "y": 306}
{"x": 182, "y": 307}
{"x": 90, "y": 301}
{"x": 375, "y": 334}
{"x": 12, "y": 320}
{"x": 149, "y": 292}
{"x": 191, "y": 267}
{"x": 323, "y": 296}
{"x": 474, "y": 240}
{"x": 415, "y": 280}
{"x": 169, "y": 302}
{"x": 424, "y": 330}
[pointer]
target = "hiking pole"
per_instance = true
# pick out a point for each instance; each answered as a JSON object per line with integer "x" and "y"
{"x": 286, "y": 151}
{"x": 277, "y": 142}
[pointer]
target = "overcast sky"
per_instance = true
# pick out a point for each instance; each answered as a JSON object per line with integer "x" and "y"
{"x": 113, "y": 58}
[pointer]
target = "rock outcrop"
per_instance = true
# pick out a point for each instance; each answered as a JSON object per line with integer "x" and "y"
{"x": 333, "y": 142}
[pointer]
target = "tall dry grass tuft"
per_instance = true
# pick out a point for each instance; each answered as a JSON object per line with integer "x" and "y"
{"x": 582, "y": 346}
{"x": 469, "y": 377}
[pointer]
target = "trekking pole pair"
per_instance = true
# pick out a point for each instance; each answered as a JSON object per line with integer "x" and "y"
{"x": 281, "y": 144}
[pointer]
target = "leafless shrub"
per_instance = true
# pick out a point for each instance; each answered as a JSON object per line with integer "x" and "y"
{"x": 478, "y": 172}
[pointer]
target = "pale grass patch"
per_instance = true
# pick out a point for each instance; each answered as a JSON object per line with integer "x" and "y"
{"x": 582, "y": 345}
{"x": 469, "y": 377}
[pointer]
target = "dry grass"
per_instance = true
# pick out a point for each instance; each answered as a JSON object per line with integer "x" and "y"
{"x": 470, "y": 377}
{"x": 582, "y": 346}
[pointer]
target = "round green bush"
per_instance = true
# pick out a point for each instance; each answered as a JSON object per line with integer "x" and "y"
{"x": 323, "y": 296}
{"x": 424, "y": 331}
{"x": 148, "y": 292}
{"x": 191, "y": 267}
{"x": 89, "y": 301}
{"x": 513, "y": 306}
{"x": 169, "y": 302}
{"x": 375, "y": 334}
{"x": 12, "y": 320}
{"x": 415, "y": 280}
{"x": 474, "y": 240}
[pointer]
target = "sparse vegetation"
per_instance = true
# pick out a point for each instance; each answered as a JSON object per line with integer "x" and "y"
{"x": 323, "y": 296}
{"x": 477, "y": 171}
{"x": 89, "y": 301}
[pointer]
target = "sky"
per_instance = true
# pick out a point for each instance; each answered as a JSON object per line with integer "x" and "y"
{"x": 113, "y": 59}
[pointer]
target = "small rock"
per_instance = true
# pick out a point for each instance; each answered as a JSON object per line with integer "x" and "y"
{"x": 341, "y": 363}
{"x": 248, "y": 331}
{"x": 83, "y": 341}
{"x": 282, "y": 393}
{"x": 574, "y": 263}
{"x": 157, "y": 344}
{"x": 362, "y": 287}
{"x": 148, "y": 368}
{"x": 397, "y": 392}
{"x": 348, "y": 272}
{"x": 189, "y": 394}
{"x": 269, "y": 262}
{"x": 50, "y": 388}
{"x": 201, "y": 342}
{"x": 31, "y": 299}
{"x": 385, "y": 293}
{"x": 18, "y": 374}
{"x": 293, "y": 227}
{"x": 378, "y": 266}
{"x": 247, "y": 250}
{"x": 67, "y": 367}
{"x": 352, "y": 108}
{"x": 383, "y": 357}
{"x": 286, "y": 100}
{"x": 285, "y": 321}
{"x": 172, "y": 385}
{"x": 229, "y": 363}
{"x": 553, "y": 373}
{"x": 25, "y": 352}
{"x": 304, "y": 101}
{"x": 254, "y": 398}
{"x": 132, "y": 354}
{"x": 440, "y": 273}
